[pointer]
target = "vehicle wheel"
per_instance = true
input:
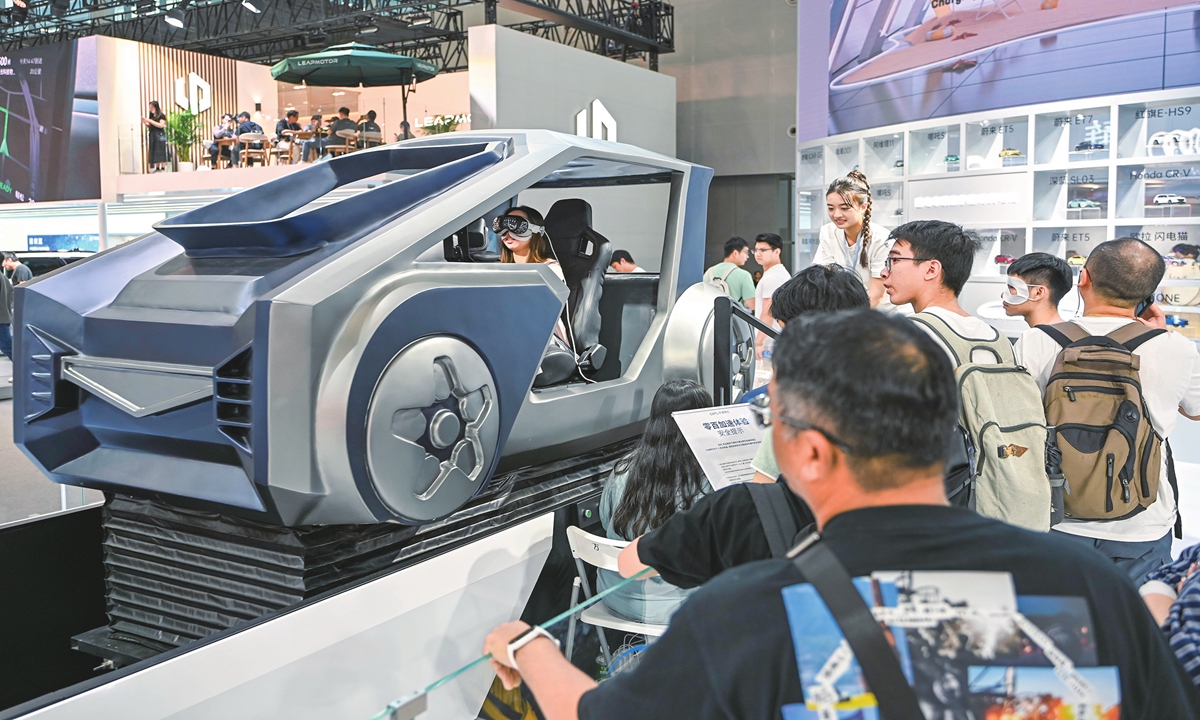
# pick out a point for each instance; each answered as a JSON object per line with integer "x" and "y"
{"x": 432, "y": 427}
{"x": 688, "y": 343}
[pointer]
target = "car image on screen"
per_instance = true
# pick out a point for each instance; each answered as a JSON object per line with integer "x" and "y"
{"x": 1169, "y": 199}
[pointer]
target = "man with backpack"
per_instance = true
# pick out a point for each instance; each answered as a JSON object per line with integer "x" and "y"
{"x": 1001, "y": 421}
{"x": 728, "y": 275}
{"x": 1114, "y": 388}
{"x": 861, "y": 403}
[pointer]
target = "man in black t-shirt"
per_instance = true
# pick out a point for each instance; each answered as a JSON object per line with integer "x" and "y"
{"x": 861, "y": 404}
{"x": 722, "y": 530}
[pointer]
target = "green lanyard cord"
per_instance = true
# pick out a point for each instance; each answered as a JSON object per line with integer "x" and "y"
{"x": 393, "y": 705}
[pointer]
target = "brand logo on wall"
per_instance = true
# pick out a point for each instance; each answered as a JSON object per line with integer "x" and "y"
{"x": 602, "y": 127}
{"x": 196, "y": 97}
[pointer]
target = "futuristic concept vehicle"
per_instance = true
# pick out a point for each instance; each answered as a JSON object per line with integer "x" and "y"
{"x": 369, "y": 360}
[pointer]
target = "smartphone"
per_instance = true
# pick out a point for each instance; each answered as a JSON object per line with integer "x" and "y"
{"x": 1141, "y": 308}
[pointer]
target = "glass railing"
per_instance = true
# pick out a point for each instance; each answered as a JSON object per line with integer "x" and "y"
{"x": 413, "y": 704}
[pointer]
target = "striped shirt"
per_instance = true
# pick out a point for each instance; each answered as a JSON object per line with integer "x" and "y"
{"x": 1182, "y": 625}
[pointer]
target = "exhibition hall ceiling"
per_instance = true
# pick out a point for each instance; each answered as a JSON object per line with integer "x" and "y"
{"x": 265, "y": 32}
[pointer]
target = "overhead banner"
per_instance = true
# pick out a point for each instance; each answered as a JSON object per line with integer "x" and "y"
{"x": 49, "y": 127}
{"x": 895, "y": 61}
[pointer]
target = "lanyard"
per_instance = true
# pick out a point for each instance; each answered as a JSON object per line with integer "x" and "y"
{"x": 851, "y": 251}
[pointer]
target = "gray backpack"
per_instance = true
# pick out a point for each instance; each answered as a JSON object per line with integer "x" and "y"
{"x": 719, "y": 282}
{"x": 1002, "y": 417}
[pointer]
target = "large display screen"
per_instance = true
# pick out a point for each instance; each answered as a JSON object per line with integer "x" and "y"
{"x": 894, "y": 61}
{"x": 49, "y": 139}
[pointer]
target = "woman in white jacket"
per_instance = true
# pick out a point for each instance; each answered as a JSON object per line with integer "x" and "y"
{"x": 849, "y": 239}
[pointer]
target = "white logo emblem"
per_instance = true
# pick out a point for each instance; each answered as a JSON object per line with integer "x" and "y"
{"x": 603, "y": 125}
{"x": 197, "y": 97}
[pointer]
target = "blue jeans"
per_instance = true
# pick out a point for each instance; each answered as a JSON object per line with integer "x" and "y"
{"x": 1135, "y": 559}
{"x": 6, "y": 340}
{"x": 316, "y": 145}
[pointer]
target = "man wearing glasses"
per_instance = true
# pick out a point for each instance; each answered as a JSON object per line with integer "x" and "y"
{"x": 862, "y": 403}
{"x": 928, "y": 266}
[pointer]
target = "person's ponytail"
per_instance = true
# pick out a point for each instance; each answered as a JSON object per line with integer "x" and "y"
{"x": 863, "y": 194}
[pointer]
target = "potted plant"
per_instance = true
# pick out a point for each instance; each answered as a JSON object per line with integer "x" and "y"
{"x": 182, "y": 132}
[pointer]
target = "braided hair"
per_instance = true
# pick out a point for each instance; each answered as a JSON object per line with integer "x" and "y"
{"x": 855, "y": 190}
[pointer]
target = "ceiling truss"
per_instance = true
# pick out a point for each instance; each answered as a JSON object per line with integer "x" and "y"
{"x": 432, "y": 29}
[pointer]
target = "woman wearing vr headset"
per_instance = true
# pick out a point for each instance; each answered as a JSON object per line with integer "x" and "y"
{"x": 523, "y": 239}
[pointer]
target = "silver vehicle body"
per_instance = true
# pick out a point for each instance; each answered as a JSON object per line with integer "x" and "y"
{"x": 297, "y": 363}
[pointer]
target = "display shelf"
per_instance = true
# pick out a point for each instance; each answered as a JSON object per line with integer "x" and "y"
{"x": 1054, "y": 197}
{"x": 810, "y": 208}
{"x": 935, "y": 150}
{"x": 1161, "y": 237}
{"x": 883, "y": 156}
{"x": 1168, "y": 191}
{"x": 1065, "y": 241}
{"x": 1072, "y": 136}
{"x": 811, "y": 168}
{"x": 1076, "y": 194}
{"x": 887, "y": 199}
{"x": 840, "y": 159}
{"x": 1169, "y": 127}
{"x": 998, "y": 244}
{"x": 997, "y": 143}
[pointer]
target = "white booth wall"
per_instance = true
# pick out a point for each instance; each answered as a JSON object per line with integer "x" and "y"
{"x": 522, "y": 81}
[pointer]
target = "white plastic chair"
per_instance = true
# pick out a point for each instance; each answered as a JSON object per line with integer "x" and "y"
{"x": 600, "y": 553}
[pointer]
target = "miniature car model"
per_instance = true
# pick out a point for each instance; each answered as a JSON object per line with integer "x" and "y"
{"x": 1176, "y": 321}
{"x": 1169, "y": 199}
{"x": 899, "y": 211}
{"x": 1010, "y": 152}
{"x": 1077, "y": 260}
{"x": 368, "y": 360}
{"x": 1086, "y": 146}
{"x": 898, "y": 164}
{"x": 1005, "y": 259}
{"x": 949, "y": 159}
{"x": 1081, "y": 203}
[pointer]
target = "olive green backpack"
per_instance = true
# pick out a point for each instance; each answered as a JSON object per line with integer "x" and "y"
{"x": 1001, "y": 415}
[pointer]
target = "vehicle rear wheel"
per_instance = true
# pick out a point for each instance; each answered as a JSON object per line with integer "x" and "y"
{"x": 432, "y": 428}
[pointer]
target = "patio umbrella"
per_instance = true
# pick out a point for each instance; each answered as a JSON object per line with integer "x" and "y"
{"x": 354, "y": 65}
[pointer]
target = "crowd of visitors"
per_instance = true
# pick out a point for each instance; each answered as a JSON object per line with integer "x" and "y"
{"x": 892, "y": 454}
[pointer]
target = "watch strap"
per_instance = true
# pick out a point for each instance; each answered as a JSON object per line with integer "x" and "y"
{"x": 532, "y": 634}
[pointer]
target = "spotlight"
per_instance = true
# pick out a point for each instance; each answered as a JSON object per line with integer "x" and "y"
{"x": 419, "y": 19}
{"x": 144, "y": 7}
{"x": 174, "y": 18}
{"x": 254, "y": 6}
{"x": 368, "y": 29}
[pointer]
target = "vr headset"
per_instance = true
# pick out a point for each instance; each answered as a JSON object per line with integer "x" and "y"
{"x": 516, "y": 226}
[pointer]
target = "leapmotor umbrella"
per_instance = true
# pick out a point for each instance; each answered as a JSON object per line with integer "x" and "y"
{"x": 354, "y": 65}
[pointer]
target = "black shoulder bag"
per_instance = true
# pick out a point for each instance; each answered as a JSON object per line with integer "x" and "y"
{"x": 776, "y": 517}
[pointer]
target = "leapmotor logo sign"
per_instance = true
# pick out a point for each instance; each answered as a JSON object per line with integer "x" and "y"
{"x": 196, "y": 97}
{"x": 320, "y": 61}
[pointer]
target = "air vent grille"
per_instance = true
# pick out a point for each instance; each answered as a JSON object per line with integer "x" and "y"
{"x": 233, "y": 393}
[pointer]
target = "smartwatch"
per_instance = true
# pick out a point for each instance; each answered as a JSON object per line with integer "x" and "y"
{"x": 533, "y": 633}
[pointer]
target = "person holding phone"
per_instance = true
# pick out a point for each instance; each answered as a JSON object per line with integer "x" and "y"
{"x": 1117, "y": 286}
